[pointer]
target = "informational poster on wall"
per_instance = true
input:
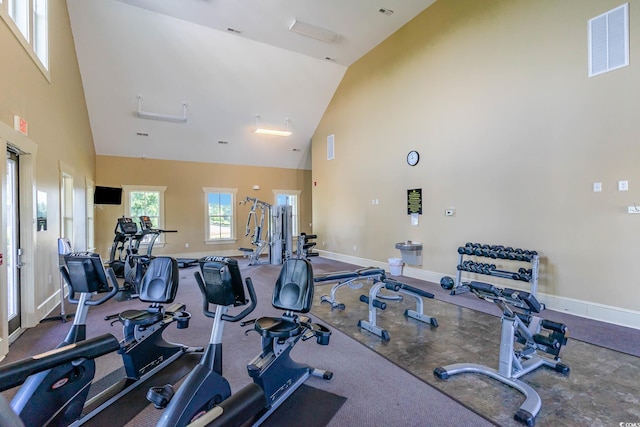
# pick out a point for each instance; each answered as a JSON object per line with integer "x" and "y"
{"x": 414, "y": 201}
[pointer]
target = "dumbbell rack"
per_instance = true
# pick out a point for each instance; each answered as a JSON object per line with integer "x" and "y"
{"x": 495, "y": 252}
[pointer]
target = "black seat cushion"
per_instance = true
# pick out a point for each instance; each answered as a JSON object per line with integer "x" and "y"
{"x": 277, "y": 327}
{"x": 140, "y": 317}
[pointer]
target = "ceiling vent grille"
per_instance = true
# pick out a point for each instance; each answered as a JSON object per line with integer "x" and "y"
{"x": 609, "y": 41}
{"x": 313, "y": 31}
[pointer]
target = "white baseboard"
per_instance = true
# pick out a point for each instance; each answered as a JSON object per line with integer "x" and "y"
{"x": 45, "y": 308}
{"x": 590, "y": 310}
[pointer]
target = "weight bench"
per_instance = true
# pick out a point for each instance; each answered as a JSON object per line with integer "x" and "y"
{"x": 525, "y": 329}
{"x": 353, "y": 280}
{"x": 375, "y": 304}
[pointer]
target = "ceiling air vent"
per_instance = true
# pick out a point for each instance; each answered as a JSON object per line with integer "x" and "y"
{"x": 313, "y": 31}
{"x": 384, "y": 11}
{"x": 609, "y": 41}
{"x": 234, "y": 31}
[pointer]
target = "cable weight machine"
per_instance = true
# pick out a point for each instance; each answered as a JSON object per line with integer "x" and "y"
{"x": 271, "y": 230}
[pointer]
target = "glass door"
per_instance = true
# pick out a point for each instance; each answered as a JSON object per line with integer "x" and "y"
{"x": 13, "y": 242}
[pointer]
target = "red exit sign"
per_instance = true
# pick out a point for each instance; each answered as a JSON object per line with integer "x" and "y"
{"x": 20, "y": 125}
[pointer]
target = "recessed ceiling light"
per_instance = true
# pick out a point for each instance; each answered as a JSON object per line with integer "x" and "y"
{"x": 384, "y": 11}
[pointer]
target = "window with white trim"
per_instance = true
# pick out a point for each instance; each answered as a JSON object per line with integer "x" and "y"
{"x": 145, "y": 200}
{"x": 28, "y": 19}
{"x": 219, "y": 207}
{"x": 90, "y": 211}
{"x": 290, "y": 197}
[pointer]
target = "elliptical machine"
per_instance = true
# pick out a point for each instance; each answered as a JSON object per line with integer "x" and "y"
{"x": 275, "y": 375}
{"x": 59, "y": 396}
{"x": 220, "y": 283}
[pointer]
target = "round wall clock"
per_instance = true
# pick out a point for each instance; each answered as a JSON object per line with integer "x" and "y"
{"x": 413, "y": 158}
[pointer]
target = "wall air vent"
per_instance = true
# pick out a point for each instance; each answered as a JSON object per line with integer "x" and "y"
{"x": 330, "y": 147}
{"x": 609, "y": 41}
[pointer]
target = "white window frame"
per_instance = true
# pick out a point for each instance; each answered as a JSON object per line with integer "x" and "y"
{"x": 295, "y": 213}
{"x": 67, "y": 203}
{"x": 89, "y": 189}
{"x": 35, "y": 38}
{"x": 207, "y": 234}
{"x": 128, "y": 189}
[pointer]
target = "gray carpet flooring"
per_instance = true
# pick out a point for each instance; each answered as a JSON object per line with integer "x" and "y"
{"x": 391, "y": 383}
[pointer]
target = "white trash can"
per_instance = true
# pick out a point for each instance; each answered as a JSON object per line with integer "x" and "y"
{"x": 395, "y": 266}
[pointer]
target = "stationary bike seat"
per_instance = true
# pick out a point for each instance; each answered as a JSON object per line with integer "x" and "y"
{"x": 276, "y": 327}
{"x": 140, "y": 317}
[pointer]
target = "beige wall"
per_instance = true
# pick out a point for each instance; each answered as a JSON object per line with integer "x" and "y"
{"x": 184, "y": 198}
{"x": 59, "y": 128}
{"x": 512, "y": 134}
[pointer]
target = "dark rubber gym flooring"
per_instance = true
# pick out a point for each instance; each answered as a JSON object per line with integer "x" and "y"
{"x": 603, "y": 388}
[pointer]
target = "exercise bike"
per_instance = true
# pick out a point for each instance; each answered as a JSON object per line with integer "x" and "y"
{"x": 59, "y": 396}
{"x": 16, "y": 373}
{"x": 220, "y": 283}
{"x": 275, "y": 375}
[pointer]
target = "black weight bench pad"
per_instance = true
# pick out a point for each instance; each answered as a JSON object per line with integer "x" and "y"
{"x": 527, "y": 298}
{"x": 335, "y": 276}
{"x": 485, "y": 288}
{"x": 370, "y": 271}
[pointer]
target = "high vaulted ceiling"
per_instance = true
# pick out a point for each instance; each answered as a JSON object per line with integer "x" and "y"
{"x": 228, "y": 61}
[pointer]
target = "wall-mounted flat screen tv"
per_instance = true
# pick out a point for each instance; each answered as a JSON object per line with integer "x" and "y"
{"x": 107, "y": 195}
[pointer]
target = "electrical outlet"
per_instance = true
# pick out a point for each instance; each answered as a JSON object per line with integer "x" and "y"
{"x": 623, "y": 185}
{"x": 597, "y": 187}
{"x": 449, "y": 212}
{"x": 186, "y": 245}
{"x": 633, "y": 209}
{"x": 49, "y": 279}
{"x": 354, "y": 248}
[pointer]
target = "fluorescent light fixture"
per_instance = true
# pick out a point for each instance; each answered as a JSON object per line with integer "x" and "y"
{"x": 274, "y": 132}
{"x": 162, "y": 117}
{"x": 313, "y": 31}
